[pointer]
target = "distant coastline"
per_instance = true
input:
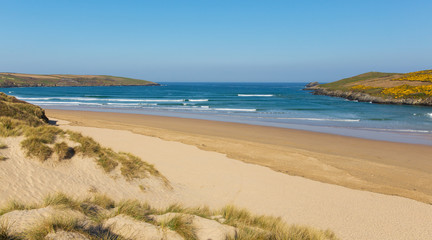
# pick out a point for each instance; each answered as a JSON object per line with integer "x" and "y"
{"x": 12, "y": 80}
{"x": 413, "y": 88}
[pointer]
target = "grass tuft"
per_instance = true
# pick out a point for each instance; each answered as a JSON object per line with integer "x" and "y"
{"x": 107, "y": 159}
{"x": 266, "y": 227}
{"x": 3, "y": 146}
{"x": 182, "y": 225}
{"x": 135, "y": 209}
{"x": 34, "y": 147}
{"x": 63, "y": 151}
{"x": 5, "y": 232}
{"x": 88, "y": 147}
{"x": 45, "y": 133}
{"x": 61, "y": 199}
{"x": 134, "y": 167}
{"x": 12, "y": 206}
{"x": 103, "y": 201}
{"x": 10, "y": 127}
{"x": 51, "y": 225}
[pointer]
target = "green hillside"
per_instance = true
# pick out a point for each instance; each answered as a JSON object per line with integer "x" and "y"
{"x": 378, "y": 87}
{"x": 58, "y": 80}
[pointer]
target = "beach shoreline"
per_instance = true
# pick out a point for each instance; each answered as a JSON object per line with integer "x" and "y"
{"x": 377, "y": 166}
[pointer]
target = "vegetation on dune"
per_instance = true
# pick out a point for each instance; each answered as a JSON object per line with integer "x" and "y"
{"x": 34, "y": 147}
{"x": 20, "y": 110}
{"x": 42, "y": 140}
{"x": 181, "y": 225}
{"x": 63, "y": 151}
{"x": 249, "y": 226}
{"x": 37, "y": 80}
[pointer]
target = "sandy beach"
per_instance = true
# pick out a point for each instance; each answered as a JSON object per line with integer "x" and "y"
{"x": 383, "y": 167}
{"x": 210, "y": 178}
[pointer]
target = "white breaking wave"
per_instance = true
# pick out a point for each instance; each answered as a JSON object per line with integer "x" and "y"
{"x": 234, "y": 109}
{"x": 429, "y": 114}
{"x": 198, "y": 100}
{"x": 255, "y": 95}
{"x": 132, "y": 104}
{"x": 144, "y": 100}
{"x": 63, "y": 103}
{"x": 105, "y": 99}
{"x": 323, "y": 119}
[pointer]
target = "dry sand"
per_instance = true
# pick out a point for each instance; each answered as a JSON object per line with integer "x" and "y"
{"x": 377, "y": 166}
{"x": 208, "y": 178}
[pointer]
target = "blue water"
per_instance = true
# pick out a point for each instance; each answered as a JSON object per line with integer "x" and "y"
{"x": 272, "y": 104}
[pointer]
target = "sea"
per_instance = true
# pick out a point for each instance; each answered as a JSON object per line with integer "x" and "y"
{"x": 284, "y": 105}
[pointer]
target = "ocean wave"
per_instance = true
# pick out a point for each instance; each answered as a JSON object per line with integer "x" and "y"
{"x": 324, "y": 119}
{"x": 234, "y": 109}
{"x": 429, "y": 114}
{"x": 64, "y": 103}
{"x": 398, "y": 130}
{"x": 132, "y": 104}
{"x": 102, "y": 99}
{"x": 144, "y": 100}
{"x": 255, "y": 95}
{"x": 197, "y": 100}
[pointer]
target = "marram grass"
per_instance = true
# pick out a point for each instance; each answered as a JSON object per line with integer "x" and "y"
{"x": 249, "y": 226}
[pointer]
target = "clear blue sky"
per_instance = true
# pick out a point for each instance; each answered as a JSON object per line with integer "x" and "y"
{"x": 216, "y": 40}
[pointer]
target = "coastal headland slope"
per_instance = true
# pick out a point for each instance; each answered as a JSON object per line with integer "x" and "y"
{"x": 414, "y": 88}
{"x": 63, "y": 80}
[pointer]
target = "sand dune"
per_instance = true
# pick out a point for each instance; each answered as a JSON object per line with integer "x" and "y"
{"x": 208, "y": 178}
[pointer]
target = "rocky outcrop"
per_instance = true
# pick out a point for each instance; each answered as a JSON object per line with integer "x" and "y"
{"x": 364, "y": 97}
{"x": 311, "y": 86}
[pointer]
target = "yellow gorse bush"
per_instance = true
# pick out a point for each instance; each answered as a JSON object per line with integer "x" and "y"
{"x": 406, "y": 90}
{"x": 423, "y": 76}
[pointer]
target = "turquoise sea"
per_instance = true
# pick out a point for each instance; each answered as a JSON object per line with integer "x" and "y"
{"x": 272, "y": 104}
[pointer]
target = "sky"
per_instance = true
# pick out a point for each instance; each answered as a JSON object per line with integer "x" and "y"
{"x": 216, "y": 40}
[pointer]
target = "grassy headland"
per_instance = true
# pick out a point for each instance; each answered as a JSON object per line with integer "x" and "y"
{"x": 377, "y": 87}
{"x": 63, "y": 80}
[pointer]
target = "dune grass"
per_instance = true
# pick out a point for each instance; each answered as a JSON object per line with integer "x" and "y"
{"x": 53, "y": 224}
{"x": 135, "y": 209}
{"x": 10, "y": 127}
{"x": 61, "y": 199}
{"x": 34, "y": 147}
{"x": 15, "y": 205}
{"x": 182, "y": 226}
{"x": 103, "y": 201}
{"x": 39, "y": 138}
{"x": 46, "y": 133}
{"x": 3, "y": 146}
{"x": 248, "y": 225}
{"x": 63, "y": 151}
{"x": 5, "y": 232}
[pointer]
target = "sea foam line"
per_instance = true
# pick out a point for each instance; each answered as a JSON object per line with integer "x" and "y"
{"x": 105, "y": 99}
{"x": 234, "y": 109}
{"x": 255, "y": 95}
{"x": 197, "y": 100}
{"x": 324, "y": 119}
